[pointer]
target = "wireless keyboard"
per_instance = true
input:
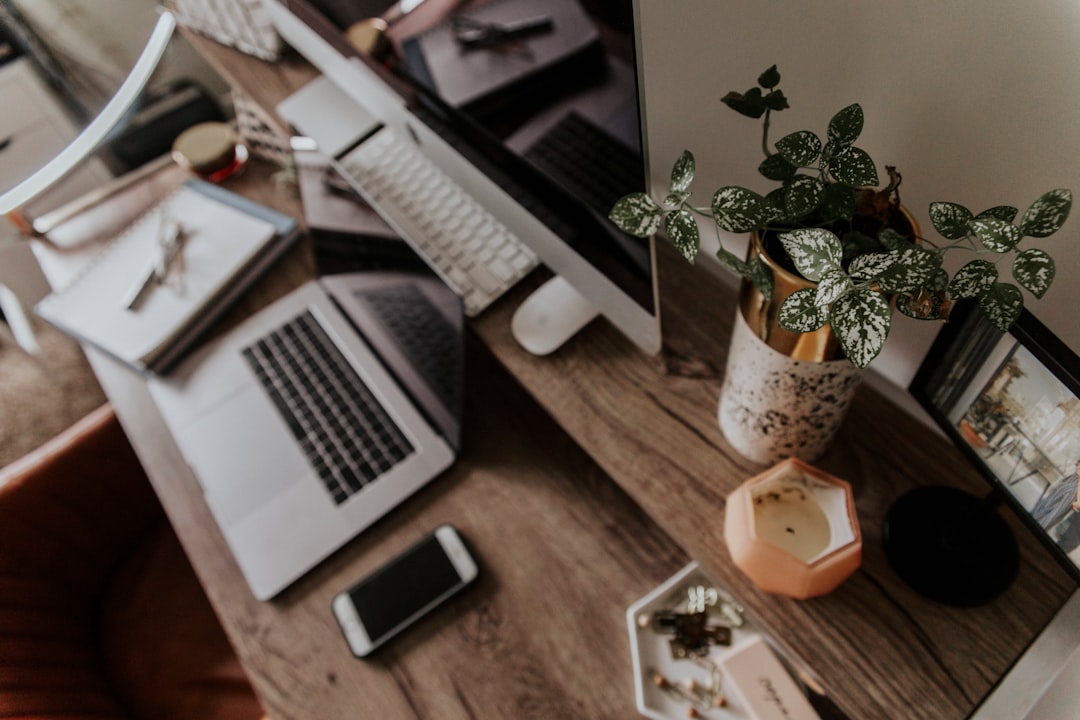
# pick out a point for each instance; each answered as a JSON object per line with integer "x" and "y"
{"x": 473, "y": 252}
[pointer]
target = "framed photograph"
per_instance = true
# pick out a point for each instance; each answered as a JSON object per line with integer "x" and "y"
{"x": 1011, "y": 401}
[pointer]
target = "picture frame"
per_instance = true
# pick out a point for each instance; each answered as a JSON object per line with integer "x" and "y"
{"x": 1011, "y": 402}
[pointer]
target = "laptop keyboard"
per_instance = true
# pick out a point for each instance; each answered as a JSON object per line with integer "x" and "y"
{"x": 589, "y": 162}
{"x": 430, "y": 341}
{"x": 475, "y": 253}
{"x": 344, "y": 432}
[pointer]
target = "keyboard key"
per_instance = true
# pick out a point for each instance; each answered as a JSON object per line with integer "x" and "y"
{"x": 588, "y": 161}
{"x": 431, "y": 211}
{"x": 429, "y": 340}
{"x": 345, "y": 434}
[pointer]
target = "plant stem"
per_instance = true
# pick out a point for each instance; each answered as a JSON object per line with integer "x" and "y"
{"x": 969, "y": 243}
{"x": 774, "y": 229}
{"x": 765, "y": 133}
{"x": 703, "y": 212}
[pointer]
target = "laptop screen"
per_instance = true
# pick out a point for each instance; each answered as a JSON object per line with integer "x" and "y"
{"x": 415, "y": 324}
{"x": 413, "y": 321}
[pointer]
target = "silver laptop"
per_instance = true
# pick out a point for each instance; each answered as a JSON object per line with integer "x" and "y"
{"x": 309, "y": 421}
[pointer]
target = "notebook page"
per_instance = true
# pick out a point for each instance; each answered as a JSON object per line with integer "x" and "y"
{"x": 219, "y": 241}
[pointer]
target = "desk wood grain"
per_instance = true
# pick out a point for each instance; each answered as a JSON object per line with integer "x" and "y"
{"x": 880, "y": 649}
{"x": 577, "y": 509}
{"x": 542, "y": 634}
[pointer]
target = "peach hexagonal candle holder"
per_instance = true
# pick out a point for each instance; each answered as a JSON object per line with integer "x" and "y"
{"x": 793, "y": 530}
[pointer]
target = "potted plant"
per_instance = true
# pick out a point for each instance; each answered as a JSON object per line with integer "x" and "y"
{"x": 830, "y": 255}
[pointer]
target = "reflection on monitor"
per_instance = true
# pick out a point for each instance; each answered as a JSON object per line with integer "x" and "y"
{"x": 1012, "y": 403}
{"x": 531, "y": 105}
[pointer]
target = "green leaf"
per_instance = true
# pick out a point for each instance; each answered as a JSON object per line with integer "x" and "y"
{"x": 939, "y": 282}
{"x": 751, "y": 103}
{"x": 682, "y": 174}
{"x": 846, "y": 126}
{"x": 904, "y": 270}
{"x": 1002, "y": 304}
{"x": 776, "y": 101}
{"x": 996, "y": 235}
{"x": 733, "y": 262}
{"x": 913, "y": 268}
{"x": 871, "y": 265}
{"x": 802, "y": 195}
{"x": 814, "y": 251}
{"x": 682, "y": 230}
{"x": 950, "y": 219}
{"x": 800, "y": 148}
{"x": 761, "y": 275}
{"x": 674, "y": 200}
{"x": 775, "y": 167}
{"x": 1001, "y": 212}
{"x": 1047, "y": 214}
{"x": 973, "y": 279}
{"x": 637, "y": 214}
{"x": 853, "y": 167}
{"x": 775, "y": 203}
{"x": 892, "y": 240}
{"x": 861, "y": 320}
{"x": 838, "y": 203}
{"x": 1034, "y": 270}
{"x": 833, "y": 285}
{"x": 769, "y": 79}
{"x": 856, "y": 244}
{"x": 800, "y": 312}
{"x": 739, "y": 210}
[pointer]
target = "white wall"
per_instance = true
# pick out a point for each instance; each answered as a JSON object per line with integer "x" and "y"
{"x": 975, "y": 101}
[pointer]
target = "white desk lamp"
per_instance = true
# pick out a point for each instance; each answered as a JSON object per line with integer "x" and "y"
{"x": 100, "y": 127}
{"x": 87, "y": 142}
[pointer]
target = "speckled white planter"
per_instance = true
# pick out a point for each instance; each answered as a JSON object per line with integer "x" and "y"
{"x": 773, "y": 407}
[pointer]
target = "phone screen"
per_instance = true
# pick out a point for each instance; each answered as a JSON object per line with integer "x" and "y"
{"x": 417, "y": 579}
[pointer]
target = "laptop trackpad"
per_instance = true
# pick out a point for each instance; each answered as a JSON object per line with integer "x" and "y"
{"x": 236, "y": 483}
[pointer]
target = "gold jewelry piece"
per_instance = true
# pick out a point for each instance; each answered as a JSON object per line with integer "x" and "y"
{"x": 700, "y": 697}
{"x": 693, "y": 633}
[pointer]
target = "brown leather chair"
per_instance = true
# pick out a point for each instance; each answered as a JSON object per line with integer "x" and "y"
{"x": 101, "y": 615}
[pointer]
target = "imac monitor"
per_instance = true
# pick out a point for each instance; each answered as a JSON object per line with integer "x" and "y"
{"x": 532, "y": 106}
{"x": 1011, "y": 403}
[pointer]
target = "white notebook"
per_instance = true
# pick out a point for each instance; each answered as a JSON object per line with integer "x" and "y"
{"x": 227, "y": 242}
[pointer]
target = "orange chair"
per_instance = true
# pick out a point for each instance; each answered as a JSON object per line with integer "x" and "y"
{"x": 101, "y": 615}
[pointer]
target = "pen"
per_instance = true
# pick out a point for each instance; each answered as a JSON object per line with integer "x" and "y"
{"x": 474, "y": 34}
{"x": 169, "y": 241}
{"x": 136, "y": 292}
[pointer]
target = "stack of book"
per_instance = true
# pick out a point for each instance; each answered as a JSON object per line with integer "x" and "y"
{"x": 151, "y": 291}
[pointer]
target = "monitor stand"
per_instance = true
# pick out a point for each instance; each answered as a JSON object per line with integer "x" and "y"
{"x": 951, "y": 546}
{"x": 550, "y": 316}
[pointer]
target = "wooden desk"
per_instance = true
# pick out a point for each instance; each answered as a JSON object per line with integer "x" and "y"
{"x": 588, "y": 477}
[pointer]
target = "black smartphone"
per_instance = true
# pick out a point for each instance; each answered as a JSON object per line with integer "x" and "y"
{"x": 403, "y": 590}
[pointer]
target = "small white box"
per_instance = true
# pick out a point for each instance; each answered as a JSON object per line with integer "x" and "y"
{"x": 766, "y": 690}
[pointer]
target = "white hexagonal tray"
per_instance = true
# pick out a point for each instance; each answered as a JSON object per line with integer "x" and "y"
{"x": 651, "y": 655}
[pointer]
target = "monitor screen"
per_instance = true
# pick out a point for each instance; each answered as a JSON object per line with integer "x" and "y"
{"x": 542, "y": 97}
{"x": 1011, "y": 402}
{"x": 552, "y": 84}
